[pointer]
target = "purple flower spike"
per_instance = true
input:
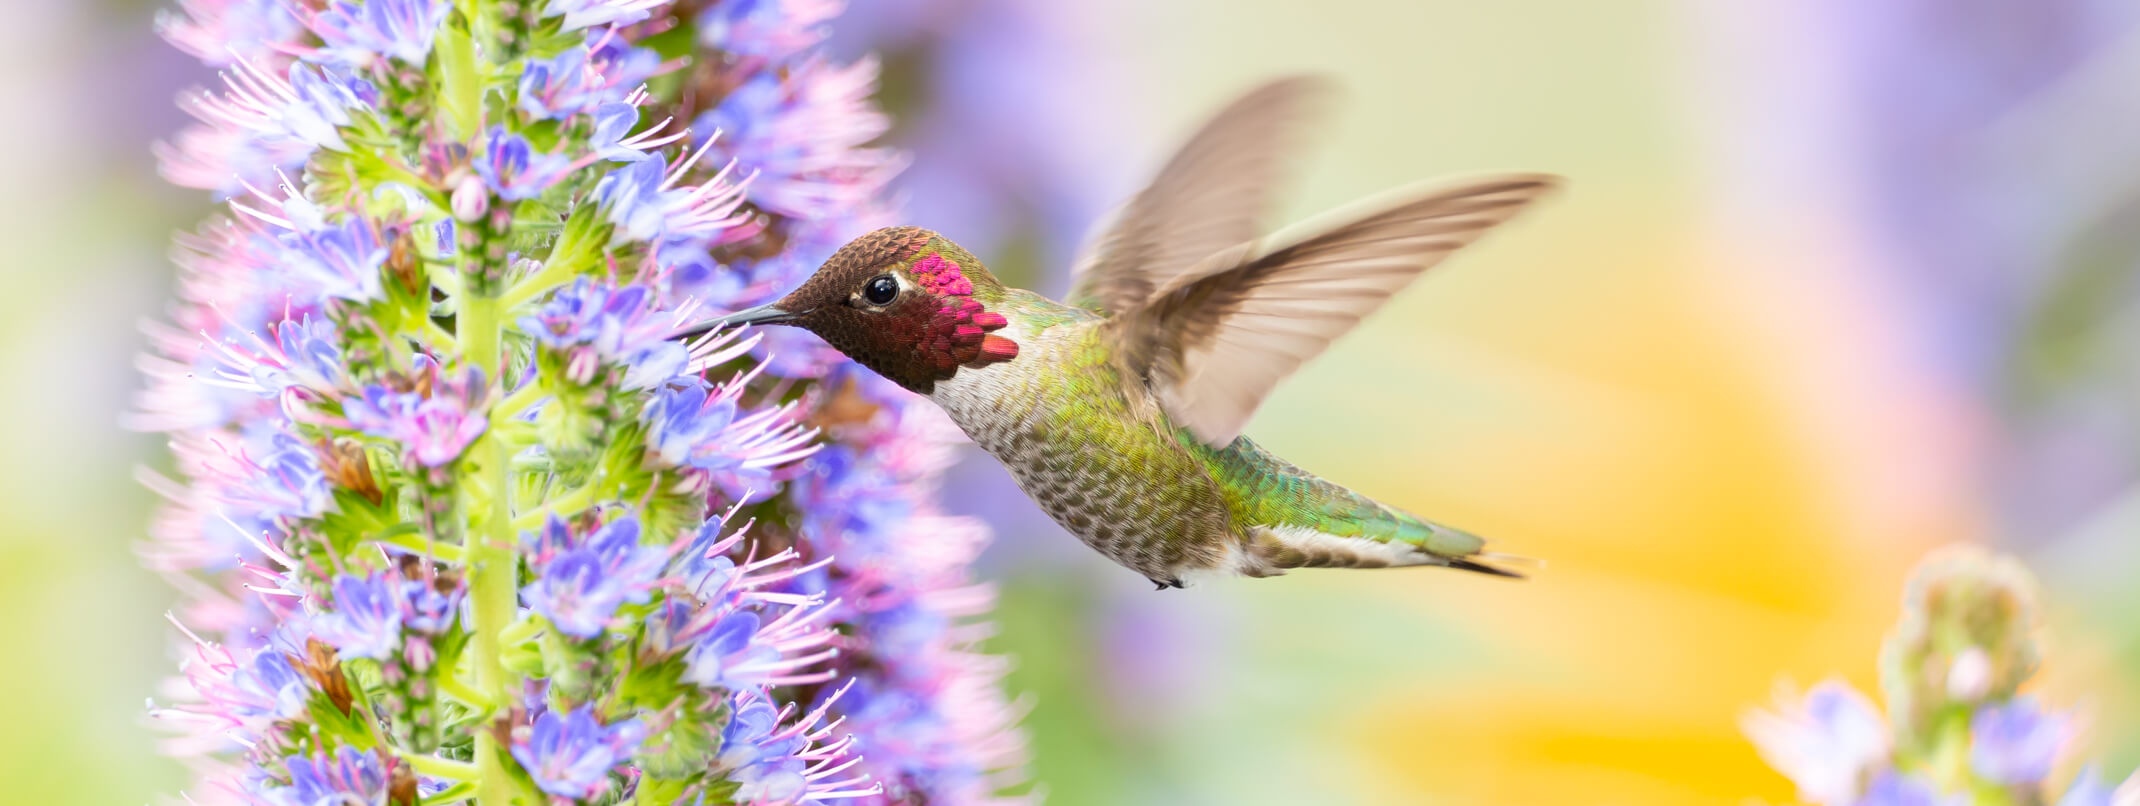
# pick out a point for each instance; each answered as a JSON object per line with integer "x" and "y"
{"x": 584, "y": 582}
{"x": 571, "y": 756}
{"x": 366, "y": 620}
{"x": 397, "y": 345}
{"x": 514, "y": 169}
{"x": 2016, "y": 742}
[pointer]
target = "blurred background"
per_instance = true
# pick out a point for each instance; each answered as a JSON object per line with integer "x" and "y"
{"x": 1832, "y": 283}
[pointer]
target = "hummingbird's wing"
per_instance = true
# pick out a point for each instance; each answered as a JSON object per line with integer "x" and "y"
{"x": 1213, "y": 342}
{"x": 1214, "y": 193}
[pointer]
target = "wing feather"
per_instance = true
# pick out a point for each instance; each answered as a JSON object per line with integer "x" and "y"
{"x": 1214, "y": 193}
{"x": 1213, "y": 342}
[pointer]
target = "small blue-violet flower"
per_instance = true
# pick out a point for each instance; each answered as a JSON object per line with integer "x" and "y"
{"x": 2016, "y": 742}
{"x": 570, "y": 755}
{"x": 513, "y": 169}
{"x": 585, "y": 580}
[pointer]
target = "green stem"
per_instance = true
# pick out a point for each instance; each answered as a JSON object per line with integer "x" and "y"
{"x": 517, "y": 402}
{"x": 453, "y": 687}
{"x": 563, "y": 506}
{"x": 578, "y": 248}
{"x": 440, "y": 767}
{"x": 460, "y": 103}
{"x": 423, "y": 544}
{"x": 493, "y": 581}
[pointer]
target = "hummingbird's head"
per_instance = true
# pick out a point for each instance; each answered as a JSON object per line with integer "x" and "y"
{"x": 903, "y": 301}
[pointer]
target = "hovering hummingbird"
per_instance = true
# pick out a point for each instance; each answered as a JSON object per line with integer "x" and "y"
{"x": 1121, "y": 414}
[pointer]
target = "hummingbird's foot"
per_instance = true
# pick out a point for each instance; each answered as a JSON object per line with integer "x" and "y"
{"x": 1167, "y": 583}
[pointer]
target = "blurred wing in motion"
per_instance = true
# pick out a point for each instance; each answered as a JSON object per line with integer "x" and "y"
{"x": 1213, "y": 342}
{"x": 1213, "y": 194}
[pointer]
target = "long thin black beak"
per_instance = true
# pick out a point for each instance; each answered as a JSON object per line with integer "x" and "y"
{"x": 762, "y": 315}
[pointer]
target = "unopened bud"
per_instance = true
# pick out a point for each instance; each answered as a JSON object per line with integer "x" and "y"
{"x": 470, "y": 198}
{"x": 1969, "y": 678}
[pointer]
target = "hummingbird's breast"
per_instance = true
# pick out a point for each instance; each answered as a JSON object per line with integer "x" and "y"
{"x": 1085, "y": 447}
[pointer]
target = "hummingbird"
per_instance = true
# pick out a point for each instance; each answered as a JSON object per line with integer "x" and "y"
{"x": 1121, "y": 412}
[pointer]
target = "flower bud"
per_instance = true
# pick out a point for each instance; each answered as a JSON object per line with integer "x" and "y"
{"x": 470, "y": 199}
{"x": 1962, "y": 600}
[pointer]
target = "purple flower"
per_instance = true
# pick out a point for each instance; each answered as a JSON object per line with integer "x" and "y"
{"x": 323, "y": 101}
{"x": 588, "y": 13}
{"x": 760, "y": 755}
{"x": 285, "y": 482}
{"x": 366, "y": 620}
{"x": 646, "y": 204}
{"x": 613, "y": 123}
{"x": 620, "y": 325}
{"x": 350, "y": 776}
{"x": 1895, "y": 789}
{"x": 244, "y": 691}
{"x": 1825, "y": 743}
{"x": 800, "y": 135}
{"x": 730, "y": 656}
{"x": 770, "y": 29}
{"x": 2016, "y": 742}
{"x": 621, "y": 63}
{"x": 356, "y": 33}
{"x": 582, "y": 582}
{"x": 263, "y": 123}
{"x": 432, "y": 430}
{"x": 340, "y": 260}
{"x": 306, "y": 356}
{"x": 570, "y": 756}
{"x": 688, "y": 427}
{"x": 514, "y": 169}
{"x": 221, "y": 32}
{"x": 561, "y": 86}
{"x": 777, "y": 763}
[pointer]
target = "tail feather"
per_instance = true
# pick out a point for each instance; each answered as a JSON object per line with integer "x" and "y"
{"x": 1277, "y": 549}
{"x": 1482, "y": 568}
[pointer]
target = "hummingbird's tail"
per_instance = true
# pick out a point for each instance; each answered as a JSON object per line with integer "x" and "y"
{"x": 1299, "y": 520}
{"x": 1274, "y": 550}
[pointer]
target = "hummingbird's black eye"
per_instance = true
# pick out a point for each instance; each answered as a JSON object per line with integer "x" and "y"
{"x": 881, "y": 290}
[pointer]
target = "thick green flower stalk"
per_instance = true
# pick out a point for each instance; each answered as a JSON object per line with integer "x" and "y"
{"x": 1959, "y": 728}
{"x": 455, "y": 518}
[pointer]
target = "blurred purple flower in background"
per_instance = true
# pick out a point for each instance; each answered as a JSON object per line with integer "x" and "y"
{"x": 495, "y": 536}
{"x": 1951, "y": 670}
